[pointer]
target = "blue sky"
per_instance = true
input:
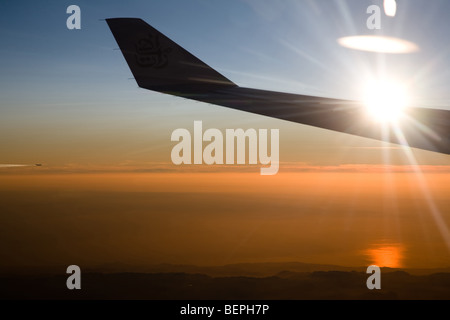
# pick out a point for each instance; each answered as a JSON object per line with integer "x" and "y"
{"x": 60, "y": 88}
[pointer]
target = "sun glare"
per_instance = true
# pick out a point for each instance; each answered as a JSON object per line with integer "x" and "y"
{"x": 386, "y": 256}
{"x": 374, "y": 43}
{"x": 390, "y": 7}
{"x": 385, "y": 100}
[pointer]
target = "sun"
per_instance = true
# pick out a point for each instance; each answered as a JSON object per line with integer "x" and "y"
{"x": 385, "y": 100}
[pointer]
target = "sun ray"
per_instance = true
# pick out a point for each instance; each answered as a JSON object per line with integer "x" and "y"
{"x": 435, "y": 212}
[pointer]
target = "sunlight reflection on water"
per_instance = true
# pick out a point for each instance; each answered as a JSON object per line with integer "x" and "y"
{"x": 386, "y": 255}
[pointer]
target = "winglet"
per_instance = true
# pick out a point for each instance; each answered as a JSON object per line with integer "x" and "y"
{"x": 159, "y": 64}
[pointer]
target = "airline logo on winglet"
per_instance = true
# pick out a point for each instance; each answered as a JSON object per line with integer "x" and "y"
{"x": 150, "y": 53}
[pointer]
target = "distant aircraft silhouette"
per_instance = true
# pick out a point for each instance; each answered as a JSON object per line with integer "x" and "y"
{"x": 159, "y": 64}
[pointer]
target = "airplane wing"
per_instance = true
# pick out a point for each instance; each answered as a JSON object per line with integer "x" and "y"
{"x": 161, "y": 65}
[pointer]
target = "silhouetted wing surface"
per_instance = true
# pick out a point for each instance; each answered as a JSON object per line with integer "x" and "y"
{"x": 159, "y": 64}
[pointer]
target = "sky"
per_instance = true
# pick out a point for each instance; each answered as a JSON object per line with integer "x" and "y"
{"x": 67, "y": 101}
{"x": 68, "y": 93}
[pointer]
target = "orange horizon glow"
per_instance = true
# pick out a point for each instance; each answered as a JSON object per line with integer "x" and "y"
{"x": 386, "y": 256}
{"x": 221, "y": 218}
